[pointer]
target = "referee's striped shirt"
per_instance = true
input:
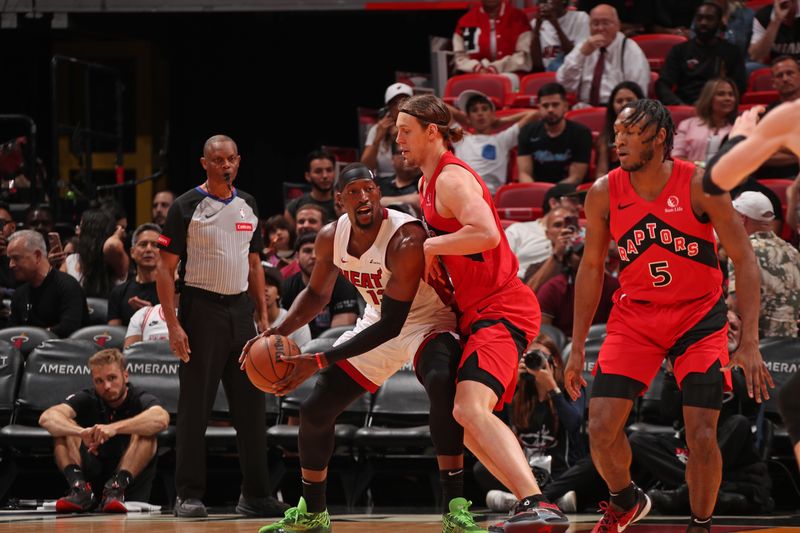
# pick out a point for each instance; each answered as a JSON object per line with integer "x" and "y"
{"x": 213, "y": 238}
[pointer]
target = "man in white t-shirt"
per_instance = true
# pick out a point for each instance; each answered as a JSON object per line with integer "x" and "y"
{"x": 555, "y": 32}
{"x": 486, "y": 150}
{"x": 147, "y": 324}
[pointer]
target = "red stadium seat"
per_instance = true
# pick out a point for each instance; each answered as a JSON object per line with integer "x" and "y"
{"x": 521, "y": 195}
{"x": 506, "y": 223}
{"x": 755, "y": 5}
{"x": 681, "y": 112}
{"x": 520, "y": 214}
{"x": 778, "y": 186}
{"x": 342, "y": 154}
{"x": 759, "y": 97}
{"x": 593, "y": 118}
{"x": 760, "y": 80}
{"x": 651, "y": 89}
{"x": 492, "y": 85}
{"x": 656, "y": 46}
{"x": 529, "y": 85}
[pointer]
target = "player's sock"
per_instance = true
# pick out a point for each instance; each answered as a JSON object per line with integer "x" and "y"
{"x": 626, "y": 498}
{"x": 314, "y": 493}
{"x": 73, "y": 473}
{"x": 695, "y": 522}
{"x": 452, "y": 482}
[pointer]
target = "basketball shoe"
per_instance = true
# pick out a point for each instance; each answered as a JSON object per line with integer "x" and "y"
{"x": 459, "y": 519}
{"x": 299, "y": 520}
{"x": 533, "y": 517}
{"x": 113, "y": 498}
{"x": 80, "y": 499}
{"x": 617, "y": 520}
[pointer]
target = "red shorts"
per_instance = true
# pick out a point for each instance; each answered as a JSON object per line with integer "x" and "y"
{"x": 497, "y": 332}
{"x": 641, "y": 334}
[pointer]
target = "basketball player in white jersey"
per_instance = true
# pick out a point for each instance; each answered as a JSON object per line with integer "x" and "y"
{"x": 750, "y": 143}
{"x": 380, "y": 252}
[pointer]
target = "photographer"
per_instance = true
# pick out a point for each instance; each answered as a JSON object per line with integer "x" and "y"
{"x": 561, "y": 227}
{"x": 546, "y": 421}
{"x": 557, "y": 296}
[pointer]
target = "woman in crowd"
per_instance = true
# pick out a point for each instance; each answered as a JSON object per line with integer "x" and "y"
{"x": 624, "y": 93}
{"x": 279, "y": 250}
{"x": 698, "y": 138}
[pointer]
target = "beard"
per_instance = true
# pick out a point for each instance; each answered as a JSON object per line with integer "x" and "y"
{"x": 646, "y": 157}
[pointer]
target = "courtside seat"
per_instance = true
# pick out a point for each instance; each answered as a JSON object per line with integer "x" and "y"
{"x": 335, "y": 332}
{"x": 53, "y": 371}
{"x": 98, "y": 311}
{"x": 11, "y": 366}
{"x": 104, "y": 336}
{"x": 26, "y": 338}
{"x": 596, "y": 331}
{"x": 649, "y": 409}
{"x": 554, "y": 333}
{"x": 319, "y": 344}
{"x": 782, "y": 357}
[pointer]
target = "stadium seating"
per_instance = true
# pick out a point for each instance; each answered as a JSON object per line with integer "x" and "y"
{"x": 656, "y": 46}
{"x": 593, "y": 118}
{"x": 11, "y": 365}
{"x": 495, "y": 86}
{"x": 529, "y": 86}
{"x": 335, "y": 332}
{"x": 778, "y": 186}
{"x": 521, "y": 194}
{"x": 104, "y": 336}
{"x": 760, "y": 80}
{"x": 26, "y": 338}
{"x": 680, "y": 113}
{"x": 98, "y": 311}
{"x": 759, "y": 97}
{"x": 554, "y": 333}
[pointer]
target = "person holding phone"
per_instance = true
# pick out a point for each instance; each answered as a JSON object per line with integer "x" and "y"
{"x": 562, "y": 227}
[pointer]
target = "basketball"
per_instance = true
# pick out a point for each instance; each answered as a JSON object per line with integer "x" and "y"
{"x": 262, "y": 364}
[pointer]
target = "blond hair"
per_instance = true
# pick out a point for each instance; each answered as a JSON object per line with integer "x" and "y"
{"x": 109, "y": 356}
{"x": 429, "y": 109}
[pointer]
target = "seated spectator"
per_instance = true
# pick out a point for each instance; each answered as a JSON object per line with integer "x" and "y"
{"x": 139, "y": 290}
{"x": 377, "y": 153}
{"x": 691, "y": 64}
{"x": 280, "y": 236}
{"x": 7, "y": 227}
{"x": 775, "y": 32}
{"x": 321, "y": 169}
{"x": 40, "y": 218}
{"x": 603, "y": 60}
{"x": 342, "y": 309}
{"x": 698, "y": 138}
{"x": 562, "y": 230}
{"x": 737, "y": 24}
{"x": 147, "y": 324}
{"x": 557, "y": 295}
{"x": 635, "y": 16}
{"x": 101, "y": 261}
{"x": 403, "y": 187}
{"x": 493, "y": 37}
{"x": 486, "y": 150}
{"x": 46, "y": 297}
{"x": 556, "y": 30}
{"x": 546, "y": 421}
{"x": 673, "y": 16}
{"x": 105, "y": 436}
{"x": 779, "y": 263}
{"x": 554, "y": 149}
{"x": 786, "y": 80}
{"x": 528, "y": 240}
{"x": 621, "y": 95}
{"x": 161, "y": 204}
{"x": 273, "y": 281}
{"x": 310, "y": 219}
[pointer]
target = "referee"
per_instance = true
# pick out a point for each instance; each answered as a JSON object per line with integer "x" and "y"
{"x": 212, "y": 231}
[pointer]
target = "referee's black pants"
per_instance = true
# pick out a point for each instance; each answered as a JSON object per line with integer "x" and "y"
{"x": 218, "y": 327}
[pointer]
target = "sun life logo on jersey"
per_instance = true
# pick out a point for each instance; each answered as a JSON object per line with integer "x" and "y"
{"x": 673, "y": 205}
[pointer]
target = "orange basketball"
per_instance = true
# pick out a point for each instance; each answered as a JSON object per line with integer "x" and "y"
{"x": 262, "y": 364}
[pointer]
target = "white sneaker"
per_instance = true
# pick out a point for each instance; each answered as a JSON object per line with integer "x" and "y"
{"x": 568, "y": 503}
{"x": 500, "y": 501}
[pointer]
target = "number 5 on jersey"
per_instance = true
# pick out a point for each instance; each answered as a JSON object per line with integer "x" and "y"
{"x": 661, "y": 276}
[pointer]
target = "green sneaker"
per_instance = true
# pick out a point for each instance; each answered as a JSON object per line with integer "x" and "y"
{"x": 298, "y": 520}
{"x": 459, "y": 519}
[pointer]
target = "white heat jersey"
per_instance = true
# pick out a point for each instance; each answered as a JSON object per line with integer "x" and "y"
{"x": 428, "y": 315}
{"x": 369, "y": 273}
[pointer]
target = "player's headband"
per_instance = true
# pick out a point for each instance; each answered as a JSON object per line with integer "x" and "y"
{"x": 353, "y": 172}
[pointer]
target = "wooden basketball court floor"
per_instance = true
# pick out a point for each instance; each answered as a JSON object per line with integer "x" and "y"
{"x": 29, "y": 522}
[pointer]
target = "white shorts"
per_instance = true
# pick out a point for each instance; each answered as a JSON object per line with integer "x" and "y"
{"x": 372, "y": 368}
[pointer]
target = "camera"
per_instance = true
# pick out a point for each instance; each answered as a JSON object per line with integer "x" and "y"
{"x": 382, "y": 112}
{"x": 536, "y": 360}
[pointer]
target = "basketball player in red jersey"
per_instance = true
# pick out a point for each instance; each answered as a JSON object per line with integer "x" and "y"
{"x": 499, "y": 315}
{"x": 669, "y": 304}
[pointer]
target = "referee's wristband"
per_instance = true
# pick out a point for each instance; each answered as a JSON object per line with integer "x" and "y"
{"x": 319, "y": 357}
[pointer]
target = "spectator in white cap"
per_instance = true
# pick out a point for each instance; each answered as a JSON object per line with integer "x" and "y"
{"x": 487, "y": 149}
{"x": 779, "y": 265}
{"x": 378, "y": 146}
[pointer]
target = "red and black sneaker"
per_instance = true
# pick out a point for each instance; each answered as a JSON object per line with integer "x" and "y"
{"x": 113, "y": 498}
{"x": 617, "y": 520}
{"x": 536, "y": 517}
{"x": 79, "y": 500}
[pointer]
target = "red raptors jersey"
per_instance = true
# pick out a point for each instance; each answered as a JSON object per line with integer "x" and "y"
{"x": 475, "y": 277}
{"x": 666, "y": 254}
